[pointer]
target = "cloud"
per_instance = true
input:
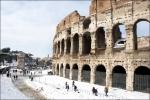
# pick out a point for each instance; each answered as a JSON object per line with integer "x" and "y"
{"x": 30, "y": 25}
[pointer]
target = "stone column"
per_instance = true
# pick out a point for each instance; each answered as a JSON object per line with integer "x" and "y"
{"x": 93, "y": 43}
{"x": 92, "y": 77}
{"x": 71, "y": 72}
{"x": 71, "y": 51}
{"x": 65, "y": 46}
{"x": 80, "y": 74}
{"x": 108, "y": 78}
{"x": 130, "y": 38}
{"x": 109, "y": 41}
{"x": 60, "y": 48}
{"x": 80, "y": 44}
{"x": 130, "y": 78}
{"x": 64, "y": 68}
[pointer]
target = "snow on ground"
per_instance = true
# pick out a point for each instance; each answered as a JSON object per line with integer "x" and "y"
{"x": 8, "y": 90}
{"x": 53, "y": 87}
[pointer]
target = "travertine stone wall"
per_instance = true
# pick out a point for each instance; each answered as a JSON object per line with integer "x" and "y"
{"x": 106, "y": 14}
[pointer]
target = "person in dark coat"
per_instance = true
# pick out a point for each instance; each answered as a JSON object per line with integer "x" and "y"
{"x": 106, "y": 91}
{"x": 73, "y": 83}
{"x": 67, "y": 87}
{"x": 75, "y": 88}
{"x": 93, "y": 90}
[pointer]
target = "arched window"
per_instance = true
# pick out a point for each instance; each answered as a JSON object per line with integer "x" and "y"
{"x": 86, "y": 70}
{"x": 141, "y": 31}
{"x": 119, "y": 77}
{"x": 62, "y": 46}
{"x": 75, "y": 72}
{"x": 67, "y": 71}
{"x": 86, "y": 23}
{"x": 86, "y": 43}
{"x": 61, "y": 70}
{"x": 142, "y": 79}
{"x": 76, "y": 44}
{"x": 68, "y": 45}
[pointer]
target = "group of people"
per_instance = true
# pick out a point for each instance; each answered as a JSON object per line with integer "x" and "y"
{"x": 73, "y": 85}
{"x": 95, "y": 92}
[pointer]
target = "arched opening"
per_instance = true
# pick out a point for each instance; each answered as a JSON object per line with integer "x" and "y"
{"x": 68, "y": 45}
{"x": 141, "y": 34}
{"x": 119, "y": 36}
{"x": 119, "y": 77}
{"x": 86, "y": 43}
{"x": 61, "y": 70}
{"x": 67, "y": 71}
{"x": 68, "y": 31}
{"x": 100, "y": 38}
{"x": 59, "y": 47}
{"x": 76, "y": 44}
{"x": 62, "y": 46}
{"x": 86, "y": 23}
{"x": 100, "y": 75}
{"x": 86, "y": 70}
{"x": 57, "y": 69}
{"x": 75, "y": 72}
{"x": 142, "y": 79}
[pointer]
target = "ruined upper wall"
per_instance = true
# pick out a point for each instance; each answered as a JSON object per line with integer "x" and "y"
{"x": 103, "y": 5}
{"x": 69, "y": 20}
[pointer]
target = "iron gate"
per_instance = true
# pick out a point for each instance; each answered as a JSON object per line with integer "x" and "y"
{"x": 142, "y": 83}
{"x": 119, "y": 80}
{"x": 75, "y": 74}
{"x": 100, "y": 78}
{"x": 86, "y": 76}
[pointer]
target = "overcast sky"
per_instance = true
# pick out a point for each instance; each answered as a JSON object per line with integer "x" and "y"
{"x": 29, "y": 26}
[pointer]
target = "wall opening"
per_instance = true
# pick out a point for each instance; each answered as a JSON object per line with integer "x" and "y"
{"x": 59, "y": 47}
{"x": 68, "y": 45}
{"x": 75, "y": 72}
{"x": 100, "y": 38}
{"x": 61, "y": 70}
{"x": 142, "y": 79}
{"x": 86, "y": 43}
{"x": 57, "y": 69}
{"x": 119, "y": 77}
{"x": 76, "y": 44}
{"x": 100, "y": 75}
{"x": 67, "y": 71}
{"x": 141, "y": 33}
{"x": 119, "y": 36}
{"x": 62, "y": 46}
{"x": 86, "y": 70}
{"x": 86, "y": 23}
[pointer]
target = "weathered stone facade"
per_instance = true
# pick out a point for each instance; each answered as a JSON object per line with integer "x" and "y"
{"x": 88, "y": 43}
{"x": 21, "y": 60}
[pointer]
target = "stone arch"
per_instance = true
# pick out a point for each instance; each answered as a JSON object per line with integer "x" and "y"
{"x": 86, "y": 43}
{"x": 86, "y": 72}
{"x": 62, "y": 46}
{"x": 119, "y": 77}
{"x": 57, "y": 69}
{"x": 76, "y": 44}
{"x": 68, "y": 45}
{"x": 100, "y": 38}
{"x": 75, "y": 72}
{"x": 67, "y": 71}
{"x": 86, "y": 23}
{"x": 58, "y": 47}
{"x": 142, "y": 79}
{"x": 61, "y": 70}
{"x": 142, "y": 24}
{"x": 100, "y": 75}
{"x": 119, "y": 33}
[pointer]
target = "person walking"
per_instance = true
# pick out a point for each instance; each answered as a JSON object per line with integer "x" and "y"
{"x": 73, "y": 83}
{"x": 106, "y": 91}
{"x": 67, "y": 87}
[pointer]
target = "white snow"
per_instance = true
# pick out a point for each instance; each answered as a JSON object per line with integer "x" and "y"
{"x": 53, "y": 87}
{"x": 8, "y": 90}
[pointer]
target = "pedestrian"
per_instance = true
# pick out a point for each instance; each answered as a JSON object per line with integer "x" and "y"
{"x": 32, "y": 78}
{"x": 75, "y": 88}
{"x": 16, "y": 77}
{"x": 66, "y": 85}
{"x": 96, "y": 92}
{"x": 93, "y": 90}
{"x": 106, "y": 91}
{"x": 73, "y": 83}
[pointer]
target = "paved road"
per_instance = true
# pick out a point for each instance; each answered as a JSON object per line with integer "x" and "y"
{"x": 28, "y": 91}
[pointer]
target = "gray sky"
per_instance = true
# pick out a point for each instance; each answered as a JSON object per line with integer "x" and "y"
{"x": 29, "y": 26}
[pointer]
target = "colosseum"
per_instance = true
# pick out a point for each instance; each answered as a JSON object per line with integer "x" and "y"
{"x": 95, "y": 49}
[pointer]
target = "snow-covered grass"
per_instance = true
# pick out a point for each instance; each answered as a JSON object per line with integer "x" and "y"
{"x": 9, "y": 91}
{"x": 53, "y": 87}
